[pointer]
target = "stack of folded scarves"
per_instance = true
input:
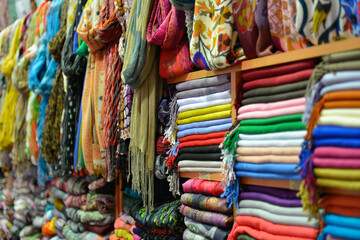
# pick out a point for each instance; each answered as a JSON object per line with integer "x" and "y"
{"x": 272, "y": 213}
{"x": 203, "y": 120}
{"x": 207, "y": 216}
{"x": 331, "y": 157}
{"x": 271, "y": 131}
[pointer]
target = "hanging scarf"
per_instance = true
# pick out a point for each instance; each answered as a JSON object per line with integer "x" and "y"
{"x": 122, "y": 8}
{"x": 73, "y": 66}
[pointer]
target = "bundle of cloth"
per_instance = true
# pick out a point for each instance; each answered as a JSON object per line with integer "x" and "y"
{"x": 207, "y": 215}
{"x": 204, "y": 117}
{"x": 272, "y": 213}
{"x": 85, "y": 207}
{"x": 330, "y": 157}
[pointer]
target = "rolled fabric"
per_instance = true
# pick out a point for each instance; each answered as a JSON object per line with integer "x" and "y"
{"x": 336, "y": 163}
{"x": 204, "y": 111}
{"x": 266, "y": 91}
{"x": 270, "y": 143}
{"x": 266, "y": 167}
{"x": 352, "y": 185}
{"x": 277, "y": 229}
{"x": 202, "y": 186}
{"x": 202, "y": 136}
{"x": 272, "y": 208}
{"x": 199, "y": 156}
{"x": 271, "y": 113}
{"x": 269, "y": 159}
{"x": 207, "y": 98}
{"x": 205, "y": 117}
{"x": 189, "y": 235}
{"x": 197, "y": 92}
{"x": 203, "y": 82}
{"x": 203, "y": 130}
{"x": 201, "y": 169}
{"x": 216, "y": 219}
{"x": 341, "y": 232}
{"x": 199, "y": 164}
{"x": 278, "y": 219}
{"x": 204, "y": 104}
{"x": 209, "y": 231}
{"x": 277, "y": 70}
{"x": 275, "y": 135}
{"x": 205, "y": 202}
{"x": 343, "y": 174}
{"x": 201, "y": 142}
{"x": 277, "y": 127}
{"x": 278, "y": 80}
{"x": 271, "y": 106}
{"x": 210, "y": 123}
{"x": 274, "y": 98}
{"x": 263, "y": 151}
{"x": 271, "y": 199}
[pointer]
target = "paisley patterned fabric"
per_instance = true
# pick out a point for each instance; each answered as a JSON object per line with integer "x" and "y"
{"x": 213, "y": 39}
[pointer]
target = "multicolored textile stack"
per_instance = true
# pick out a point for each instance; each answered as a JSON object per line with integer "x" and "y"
{"x": 207, "y": 216}
{"x": 203, "y": 120}
{"x": 272, "y": 213}
{"x": 330, "y": 155}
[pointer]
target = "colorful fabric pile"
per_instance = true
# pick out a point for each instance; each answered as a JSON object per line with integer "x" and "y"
{"x": 330, "y": 154}
{"x": 272, "y": 213}
{"x": 207, "y": 216}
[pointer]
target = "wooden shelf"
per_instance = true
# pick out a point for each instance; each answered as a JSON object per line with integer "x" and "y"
{"x": 292, "y": 56}
{"x": 288, "y": 184}
{"x": 202, "y": 175}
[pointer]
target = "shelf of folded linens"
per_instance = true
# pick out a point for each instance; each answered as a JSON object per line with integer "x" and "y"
{"x": 292, "y": 56}
{"x": 202, "y": 175}
{"x": 287, "y": 184}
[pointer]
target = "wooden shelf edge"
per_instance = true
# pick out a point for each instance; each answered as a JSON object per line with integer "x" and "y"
{"x": 202, "y": 175}
{"x": 287, "y": 184}
{"x": 292, "y": 56}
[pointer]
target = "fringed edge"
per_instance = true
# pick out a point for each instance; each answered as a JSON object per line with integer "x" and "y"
{"x": 170, "y": 133}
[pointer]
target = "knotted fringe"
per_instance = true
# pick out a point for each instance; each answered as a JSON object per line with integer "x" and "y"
{"x": 170, "y": 133}
{"x": 173, "y": 177}
{"x": 228, "y": 150}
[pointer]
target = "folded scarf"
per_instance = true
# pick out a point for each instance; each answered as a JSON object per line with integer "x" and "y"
{"x": 277, "y": 127}
{"x": 271, "y": 106}
{"x": 336, "y": 163}
{"x": 203, "y": 111}
{"x": 101, "y": 230}
{"x": 341, "y": 232}
{"x": 202, "y": 186}
{"x": 204, "y": 104}
{"x": 273, "y": 120}
{"x": 204, "y": 124}
{"x": 277, "y": 70}
{"x": 207, "y": 98}
{"x": 271, "y": 199}
{"x": 202, "y": 136}
{"x": 343, "y": 211}
{"x": 338, "y": 142}
{"x": 203, "y": 82}
{"x": 342, "y": 221}
{"x": 210, "y": 149}
{"x": 201, "y": 169}
{"x": 190, "y": 235}
{"x": 353, "y": 85}
{"x": 274, "y": 98}
{"x": 201, "y": 142}
{"x": 197, "y": 92}
{"x": 352, "y": 185}
{"x": 338, "y": 120}
{"x": 344, "y": 174}
{"x": 94, "y": 216}
{"x": 205, "y": 117}
{"x": 326, "y": 132}
{"x": 75, "y": 201}
{"x": 209, "y": 231}
{"x": 199, "y": 156}
{"x": 203, "y": 130}
{"x": 266, "y": 167}
{"x": 266, "y": 91}
{"x": 269, "y": 159}
{"x": 216, "y": 219}
{"x": 76, "y": 227}
{"x": 278, "y": 80}
{"x": 244, "y": 236}
{"x": 204, "y": 202}
{"x": 277, "y": 135}
{"x": 277, "y": 192}
{"x": 280, "y": 210}
{"x": 340, "y": 200}
{"x": 277, "y": 229}
{"x": 265, "y": 175}
{"x": 270, "y": 143}
{"x": 189, "y": 164}
{"x": 278, "y": 219}
{"x": 271, "y": 113}
{"x": 263, "y": 151}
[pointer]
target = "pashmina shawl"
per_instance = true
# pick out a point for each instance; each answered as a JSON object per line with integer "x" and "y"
{"x": 286, "y": 211}
{"x": 271, "y": 113}
{"x": 203, "y": 91}
{"x": 202, "y": 186}
{"x": 276, "y": 200}
{"x": 271, "y": 106}
{"x": 266, "y": 91}
{"x": 190, "y": 235}
{"x": 202, "y": 169}
{"x": 204, "y": 124}
{"x": 203, "y": 130}
{"x": 203, "y": 82}
{"x": 269, "y": 159}
{"x": 274, "y": 98}
{"x": 204, "y": 202}
{"x": 263, "y": 151}
{"x": 213, "y": 43}
{"x": 210, "y": 149}
{"x": 209, "y": 231}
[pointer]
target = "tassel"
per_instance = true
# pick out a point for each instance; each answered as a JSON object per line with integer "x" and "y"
{"x": 172, "y": 153}
{"x": 170, "y": 133}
